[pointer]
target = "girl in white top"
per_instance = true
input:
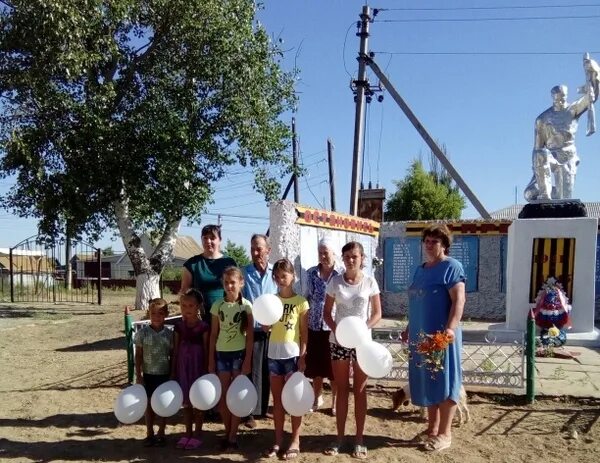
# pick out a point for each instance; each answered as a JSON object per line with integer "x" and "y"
{"x": 357, "y": 294}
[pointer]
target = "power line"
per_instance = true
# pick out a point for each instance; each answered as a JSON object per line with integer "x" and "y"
{"x": 482, "y": 53}
{"x": 508, "y": 18}
{"x": 239, "y": 216}
{"x": 474, "y": 8}
{"x": 313, "y": 195}
{"x": 344, "y": 49}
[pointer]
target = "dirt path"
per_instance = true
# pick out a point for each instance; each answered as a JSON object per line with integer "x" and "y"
{"x": 62, "y": 367}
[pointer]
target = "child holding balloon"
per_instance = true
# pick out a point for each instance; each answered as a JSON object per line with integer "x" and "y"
{"x": 286, "y": 354}
{"x": 153, "y": 353}
{"x": 231, "y": 345}
{"x": 354, "y": 294}
{"x": 191, "y": 349}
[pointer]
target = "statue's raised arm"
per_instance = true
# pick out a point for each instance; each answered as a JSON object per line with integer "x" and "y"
{"x": 555, "y": 159}
{"x": 590, "y": 90}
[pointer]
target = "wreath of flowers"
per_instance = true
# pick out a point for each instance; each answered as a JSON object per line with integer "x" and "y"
{"x": 552, "y": 306}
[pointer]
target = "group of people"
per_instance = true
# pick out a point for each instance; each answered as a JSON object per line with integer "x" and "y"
{"x": 217, "y": 334}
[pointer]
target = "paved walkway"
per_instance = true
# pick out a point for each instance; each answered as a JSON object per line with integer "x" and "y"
{"x": 578, "y": 375}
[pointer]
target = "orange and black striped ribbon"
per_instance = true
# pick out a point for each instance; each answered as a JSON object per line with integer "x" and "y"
{"x": 552, "y": 257}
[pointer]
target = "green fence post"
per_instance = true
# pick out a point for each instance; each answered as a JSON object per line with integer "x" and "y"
{"x": 530, "y": 358}
{"x": 129, "y": 343}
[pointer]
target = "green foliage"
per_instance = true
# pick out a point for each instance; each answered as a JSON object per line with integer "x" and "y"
{"x": 237, "y": 253}
{"x": 171, "y": 273}
{"x": 108, "y": 251}
{"x": 420, "y": 197}
{"x": 146, "y": 102}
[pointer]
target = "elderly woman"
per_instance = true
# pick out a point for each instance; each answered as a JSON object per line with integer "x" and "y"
{"x": 436, "y": 302}
{"x": 204, "y": 271}
{"x": 318, "y": 358}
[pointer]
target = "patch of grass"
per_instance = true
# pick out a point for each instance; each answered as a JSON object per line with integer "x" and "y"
{"x": 487, "y": 365}
{"x": 50, "y": 316}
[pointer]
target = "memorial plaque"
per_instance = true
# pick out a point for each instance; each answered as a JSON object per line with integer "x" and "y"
{"x": 465, "y": 249}
{"x": 401, "y": 258}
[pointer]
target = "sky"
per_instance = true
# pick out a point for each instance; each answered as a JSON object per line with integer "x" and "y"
{"x": 476, "y": 73}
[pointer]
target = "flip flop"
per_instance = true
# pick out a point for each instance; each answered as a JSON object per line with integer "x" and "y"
{"x": 193, "y": 443}
{"x": 291, "y": 454}
{"x": 437, "y": 443}
{"x": 181, "y": 443}
{"x": 360, "y": 452}
{"x": 271, "y": 452}
{"x": 333, "y": 449}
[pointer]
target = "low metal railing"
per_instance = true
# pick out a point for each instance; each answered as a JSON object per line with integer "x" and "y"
{"x": 491, "y": 364}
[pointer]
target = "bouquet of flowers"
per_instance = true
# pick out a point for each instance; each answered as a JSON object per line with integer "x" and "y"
{"x": 432, "y": 348}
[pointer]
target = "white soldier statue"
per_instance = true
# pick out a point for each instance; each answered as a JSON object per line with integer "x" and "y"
{"x": 554, "y": 153}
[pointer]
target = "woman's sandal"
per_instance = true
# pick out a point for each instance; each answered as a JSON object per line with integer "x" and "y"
{"x": 181, "y": 443}
{"x": 360, "y": 452}
{"x": 291, "y": 454}
{"x": 193, "y": 443}
{"x": 271, "y": 452}
{"x": 437, "y": 443}
{"x": 423, "y": 436}
{"x": 333, "y": 449}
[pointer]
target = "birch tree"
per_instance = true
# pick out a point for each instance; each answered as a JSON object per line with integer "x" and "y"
{"x": 124, "y": 113}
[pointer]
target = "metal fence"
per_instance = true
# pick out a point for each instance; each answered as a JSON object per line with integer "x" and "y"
{"x": 491, "y": 364}
{"x": 53, "y": 271}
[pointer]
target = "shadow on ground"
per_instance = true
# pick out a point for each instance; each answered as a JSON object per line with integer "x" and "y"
{"x": 104, "y": 344}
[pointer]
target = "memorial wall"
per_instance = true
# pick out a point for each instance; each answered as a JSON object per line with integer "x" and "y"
{"x": 480, "y": 247}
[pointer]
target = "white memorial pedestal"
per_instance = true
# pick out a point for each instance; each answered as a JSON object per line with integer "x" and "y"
{"x": 521, "y": 234}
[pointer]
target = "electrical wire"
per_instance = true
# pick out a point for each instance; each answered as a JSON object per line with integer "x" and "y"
{"x": 312, "y": 194}
{"x": 508, "y": 18}
{"x": 353, "y": 23}
{"x": 474, "y": 8}
{"x": 481, "y": 53}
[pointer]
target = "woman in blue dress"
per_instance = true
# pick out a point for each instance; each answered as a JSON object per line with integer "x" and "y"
{"x": 436, "y": 302}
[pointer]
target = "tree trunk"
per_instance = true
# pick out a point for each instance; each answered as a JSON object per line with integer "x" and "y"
{"x": 147, "y": 269}
{"x": 146, "y": 288}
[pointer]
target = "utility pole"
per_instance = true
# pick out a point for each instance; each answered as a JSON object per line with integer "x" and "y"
{"x": 295, "y": 161}
{"x": 331, "y": 174}
{"x": 361, "y": 85}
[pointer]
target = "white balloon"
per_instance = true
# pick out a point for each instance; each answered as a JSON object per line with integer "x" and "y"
{"x": 205, "y": 392}
{"x": 167, "y": 399}
{"x": 267, "y": 309}
{"x": 241, "y": 396}
{"x": 374, "y": 359}
{"x": 130, "y": 404}
{"x": 351, "y": 331}
{"x": 297, "y": 395}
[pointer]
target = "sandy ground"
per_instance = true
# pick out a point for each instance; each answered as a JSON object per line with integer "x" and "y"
{"x": 63, "y": 366}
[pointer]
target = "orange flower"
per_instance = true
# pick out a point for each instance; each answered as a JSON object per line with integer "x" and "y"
{"x": 433, "y": 349}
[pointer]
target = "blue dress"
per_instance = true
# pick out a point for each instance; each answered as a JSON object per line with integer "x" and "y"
{"x": 429, "y": 306}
